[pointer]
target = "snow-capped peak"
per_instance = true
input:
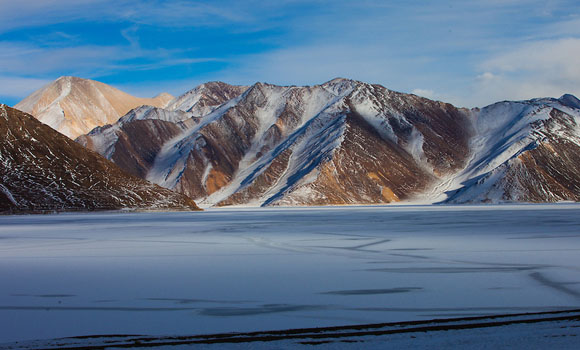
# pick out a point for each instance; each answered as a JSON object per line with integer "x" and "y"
{"x": 205, "y": 97}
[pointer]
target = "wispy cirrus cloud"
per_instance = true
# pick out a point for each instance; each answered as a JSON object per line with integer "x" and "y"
{"x": 559, "y": 59}
{"x": 424, "y": 93}
{"x": 438, "y": 49}
{"x": 25, "y": 67}
{"x": 22, "y": 58}
{"x": 534, "y": 69}
{"x": 16, "y": 87}
{"x": 169, "y": 13}
{"x": 464, "y": 52}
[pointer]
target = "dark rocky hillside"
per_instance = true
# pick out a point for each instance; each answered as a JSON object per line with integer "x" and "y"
{"x": 42, "y": 170}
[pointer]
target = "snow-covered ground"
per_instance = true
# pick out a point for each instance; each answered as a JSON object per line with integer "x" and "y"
{"x": 239, "y": 270}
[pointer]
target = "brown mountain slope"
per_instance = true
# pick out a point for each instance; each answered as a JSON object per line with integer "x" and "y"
{"x": 74, "y": 106}
{"x": 342, "y": 142}
{"x": 42, "y": 170}
{"x": 545, "y": 167}
{"x": 349, "y": 142}
{"x": 141, "y": 132}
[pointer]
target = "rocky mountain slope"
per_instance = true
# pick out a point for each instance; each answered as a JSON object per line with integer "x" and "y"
{"x": 348, "y": 142}
{"x": 523, "y": 151}
{"x": 42, "y": 170}
{"x": 136, "y": 138}
{"x": 342, "y": 142}
{"x": 75, "y": 106}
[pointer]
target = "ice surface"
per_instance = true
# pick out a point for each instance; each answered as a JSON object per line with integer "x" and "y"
{"x": 277, "y": 268}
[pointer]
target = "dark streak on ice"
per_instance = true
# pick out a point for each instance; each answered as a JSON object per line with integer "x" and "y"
{"x": 554, "y": 285}
{"x": 93, "y": 308}
{"x": 545, "y": 237}
{"x": 193, "y": 301}
{"x": 454, "y": 269}
{"x": 373, "y": 291}
{"x": 412, "y": 249}
{"x": 456, "y": 314}
{"x": 45, "y": 295}
{"x": 371, "y": 244}
{"x": 411, "y": 256}
{"x": 487, "y": 310}
{"x": 358, "y": 247}
{"x": 265, "y": 309}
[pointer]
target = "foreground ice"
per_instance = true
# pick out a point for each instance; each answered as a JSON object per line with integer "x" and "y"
{"x": 547, "y": 330}
{"x": 258, "y": 269}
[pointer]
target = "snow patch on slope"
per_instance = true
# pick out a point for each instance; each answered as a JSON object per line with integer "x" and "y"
{"x": 415, "y": 148}
{"x": 186, "y": 101}
{"x": 150, "y": 112}
{"x": 203, "y": 99}
{"x": 8, "y": 194}
{"x": 370, "y": 111}
{"x": 171, "y": 161}
{"x": 316, "y": 148}
{"x": 104, "y": 138}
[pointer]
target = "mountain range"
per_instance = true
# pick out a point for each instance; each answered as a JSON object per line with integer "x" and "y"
{"x": 341, "y": 142}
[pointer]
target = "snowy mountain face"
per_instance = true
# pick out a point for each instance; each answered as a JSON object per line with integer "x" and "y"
{"x": 526, "y": 151}
{"x": 205, "y": 98}
{"x": 135, "y": 139}
{"x": 348, "y": 142}
{"x": 42, "y": 170}
{"x": 342, "y": 142}
{"x": 75, "y": 106}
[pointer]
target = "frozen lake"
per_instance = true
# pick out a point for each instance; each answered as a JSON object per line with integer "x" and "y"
{"x": 258, "y": 269}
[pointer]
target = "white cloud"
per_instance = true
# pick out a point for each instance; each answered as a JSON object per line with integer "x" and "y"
{"x": 27, "y": 59}
{"x": 487, "y": 76}
{"x": 557, "y": 58}
{"x": 547, "y": 68}
{"x": 89, "y": 60}
{"x": 424, "y": 93}
{"x": 566, "y": 27}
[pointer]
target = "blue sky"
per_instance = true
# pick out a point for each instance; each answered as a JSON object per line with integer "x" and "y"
{"x": 469, "y": 53}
